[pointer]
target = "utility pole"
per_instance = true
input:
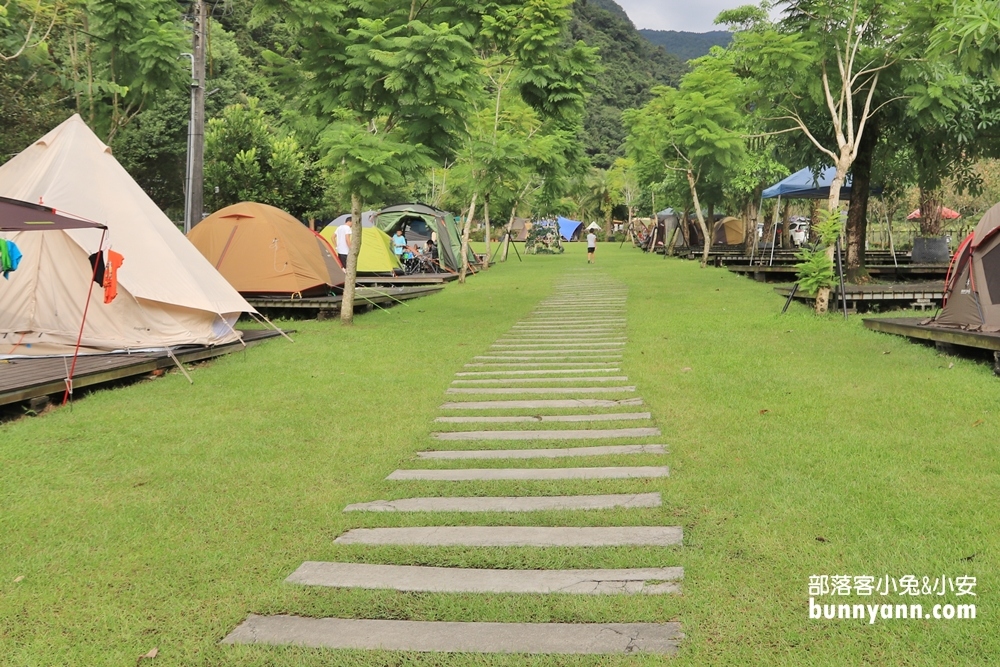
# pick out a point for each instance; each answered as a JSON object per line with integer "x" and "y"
{"x": 194, "y": 194}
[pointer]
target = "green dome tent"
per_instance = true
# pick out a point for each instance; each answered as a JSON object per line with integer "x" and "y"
{"x": 421, "y": 222}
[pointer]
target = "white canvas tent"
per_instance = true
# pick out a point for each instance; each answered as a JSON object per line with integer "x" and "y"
{"x": 168, "y": 293}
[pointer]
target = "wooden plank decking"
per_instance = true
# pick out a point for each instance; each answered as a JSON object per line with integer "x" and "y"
{"x": 917, "y": 295}
{"x": 24, "y": 378}
{"x": 911, "y": 328}
{"x": 414, "y": 279}
{"x": 364, "y": 297}
{"x": 903, "y": 271}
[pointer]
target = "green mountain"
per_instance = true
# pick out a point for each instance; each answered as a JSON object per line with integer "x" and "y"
{"x": 632, "y": 66}
{"x": 687, "y": 45}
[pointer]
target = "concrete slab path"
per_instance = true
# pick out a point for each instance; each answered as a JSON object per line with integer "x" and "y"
{"x": 541, "y": 403}
{"x": 517, "y": 536}
{"x": 514, "y": 419}
{"x": 509, "y": 504}
{"x": 448, "y": 637}
{"x": 550, "y": 434}
{"x": 527, "y": 474}
{"x": 541, "y": 390}
{"x": 422, "y": 579}
{"x": 517, "y": 380}
{"x": 564, "y": 452}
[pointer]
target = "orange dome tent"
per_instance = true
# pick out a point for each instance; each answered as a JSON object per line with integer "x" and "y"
{"x": 261, "y": 249}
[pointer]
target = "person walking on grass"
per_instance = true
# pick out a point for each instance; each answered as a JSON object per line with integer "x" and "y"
{"x": 591, "y": 246}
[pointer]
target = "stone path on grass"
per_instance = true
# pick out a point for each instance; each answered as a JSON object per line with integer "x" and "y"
{"x": 572, "y": 344}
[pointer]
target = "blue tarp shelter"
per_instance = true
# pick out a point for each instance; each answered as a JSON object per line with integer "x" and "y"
{"x": 569, "y": 229}
{"x": 803, "y": 184}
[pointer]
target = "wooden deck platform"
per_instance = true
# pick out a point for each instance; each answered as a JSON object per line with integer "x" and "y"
{"x": 911, "y": 328}
{"x": 322, "y": 307}
{"x": 924, "y": 272}
{"x": 900, "y": 295}
{"x": 414, "y": 279}
{"x": 25, "y": 378}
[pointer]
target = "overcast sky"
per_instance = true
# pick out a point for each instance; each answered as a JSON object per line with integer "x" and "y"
{"x": 690, "y": 15}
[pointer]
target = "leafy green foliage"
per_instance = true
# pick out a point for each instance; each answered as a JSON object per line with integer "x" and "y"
{"x": 135, "y": 57}
{"x": 828, "y": 226}
{"x": 815, "y": 271}
{"x": 246, "y": 159}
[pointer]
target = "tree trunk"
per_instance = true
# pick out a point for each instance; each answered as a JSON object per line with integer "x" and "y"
{"x": 751, "y": 213}
{"x": 465, "y": 239}
{"x": 506, "y": 237}
{"x": 833, "y": 204}
{"x": 351, "y": 270}
{"x": 857, "y": 213}
{"x": 813, "y": 219}
{"x": 486, "y": 237}
{"x": 682, "y": 224}
{"x": 930, "y": 211}
{"x": 701, "y": 218}
{"x": 631, "y": 231}
{"x": 710, "y": 222}
{"x": 607, "y": 221}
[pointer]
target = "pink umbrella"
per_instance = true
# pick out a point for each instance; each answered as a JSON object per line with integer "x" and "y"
{"x": 946, "y": 214}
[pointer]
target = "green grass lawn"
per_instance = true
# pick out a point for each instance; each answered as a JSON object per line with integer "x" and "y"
{"x": 161, "y": 514}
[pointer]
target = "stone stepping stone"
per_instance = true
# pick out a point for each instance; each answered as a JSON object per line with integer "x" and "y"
{"x": 486, "y": 419}
{"x": 517, "y": 536}
{"x": 459, "y": 637}
{"x": 509, "y": 504}
{"x": 561, "y": 323}
{"x": 529, "y": 474}
{"x": 564, "y": 334}
{"x": 541, "y": 318}
{"x": 608, "y": 378}
{"x": 514, "y": 357}
{"x": 425, "y": 579}
{"x": 571, "y": 336}
{"x": 559, "y": 346}
{"x": 564, "y": 452}
{"x": 573, "y": 333}
{"x": 543, "y": 403}
{"x": 540, "y": 390}
{"x": 561, "y": 434}
{"x": 568, "y": 354}
{"x": 537, "y": 372}
{"x": 536, "y": 362}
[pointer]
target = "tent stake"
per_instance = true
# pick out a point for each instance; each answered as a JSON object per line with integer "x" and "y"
{"x": 177, "y": 361}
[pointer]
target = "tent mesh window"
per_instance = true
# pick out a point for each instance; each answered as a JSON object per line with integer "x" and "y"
{"x": 991, "y": 267}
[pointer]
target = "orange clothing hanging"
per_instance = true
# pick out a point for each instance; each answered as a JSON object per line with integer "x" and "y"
{"x": 115, "y": 260}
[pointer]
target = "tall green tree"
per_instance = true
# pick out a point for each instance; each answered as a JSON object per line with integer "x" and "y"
{"x": 248, "y": 159}
{"x": 818, "y": 73}
{"x": 695, "y": 130}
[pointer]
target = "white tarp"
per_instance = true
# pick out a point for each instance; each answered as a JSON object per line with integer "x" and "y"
{"x": 168, "y": 293}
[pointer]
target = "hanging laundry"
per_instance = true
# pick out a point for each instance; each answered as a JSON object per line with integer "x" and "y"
{"x": 115, "y": 261}
{"x": 97, "y": 266}
{"x": 10, "y": 257}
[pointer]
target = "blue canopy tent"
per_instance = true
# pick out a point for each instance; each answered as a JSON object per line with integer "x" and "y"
{"x": 803, "y": 184}
{"x": 569, "y": 229}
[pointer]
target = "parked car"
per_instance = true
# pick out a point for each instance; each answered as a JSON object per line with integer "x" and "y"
{"x": 798, "y": 230}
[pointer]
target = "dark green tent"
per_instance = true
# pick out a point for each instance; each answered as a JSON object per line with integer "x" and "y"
{"x": 418, "y": 222}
